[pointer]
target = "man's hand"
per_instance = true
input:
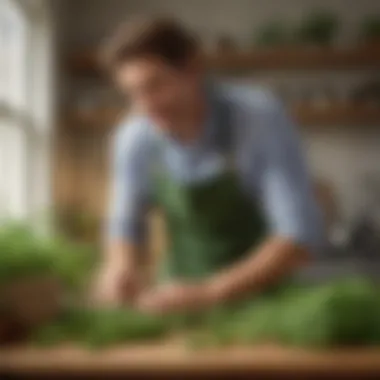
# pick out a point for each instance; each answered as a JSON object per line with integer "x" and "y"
{"x": 115, "y": 285}
{"x": 175, "y": 298}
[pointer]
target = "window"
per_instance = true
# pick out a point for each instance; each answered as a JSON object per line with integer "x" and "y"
{"x": 25, "y": 116}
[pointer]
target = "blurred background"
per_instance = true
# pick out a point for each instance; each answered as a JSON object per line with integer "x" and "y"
{"x": 57, "y": 110}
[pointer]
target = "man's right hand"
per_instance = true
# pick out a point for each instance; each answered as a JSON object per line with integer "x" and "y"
{"x": 115, "y": 284}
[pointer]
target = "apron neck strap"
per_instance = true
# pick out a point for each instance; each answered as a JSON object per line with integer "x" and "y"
{"x": 224, "y": 130}
{"x": 225, "y": 133}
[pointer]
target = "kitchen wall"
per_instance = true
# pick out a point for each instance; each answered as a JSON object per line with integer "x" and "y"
{"x": 342, "y": 155}
{"x": 87, "y": 21}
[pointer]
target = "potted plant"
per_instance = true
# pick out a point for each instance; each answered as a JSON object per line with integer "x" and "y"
{"x": 226, "y": 44}
{"x": 273, "y": 34}
{"x": 318, "y": 28}
{"x": 37, "y": 274}
{"x": 370, "y": 30}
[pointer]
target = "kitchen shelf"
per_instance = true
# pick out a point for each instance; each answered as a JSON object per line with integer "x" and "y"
{"x": 360, "y": 115}
{"x": 306, "y": 58}
{"x": 304, "y": 114}
{"x": 291, "y": 58}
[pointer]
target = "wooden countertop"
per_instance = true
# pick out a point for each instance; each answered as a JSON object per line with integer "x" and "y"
{"x": 175, "y": 358}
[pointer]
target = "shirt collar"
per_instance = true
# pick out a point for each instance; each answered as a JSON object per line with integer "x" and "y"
{"x": 210, "y": 123}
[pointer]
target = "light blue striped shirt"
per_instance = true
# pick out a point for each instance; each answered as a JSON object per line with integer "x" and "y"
{"x": 268, "y": 157}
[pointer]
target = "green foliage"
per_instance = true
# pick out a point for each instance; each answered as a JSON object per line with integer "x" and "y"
{"x": 318, "y": 28}
{"x": 24, "y": 253}
{"x": 20, "y": 254}
{"x": 336, "y": 314}
{"x": 272, "y": 34}
{"x": 100, "y": 328}
{"x": 345, "y": 312}
{"x": 370, "y": 28}
{"x": 340, "y": 313}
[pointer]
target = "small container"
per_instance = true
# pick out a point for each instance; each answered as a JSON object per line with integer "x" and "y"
{"x": 226, "y": 44}
{"x": 31, "y": 301}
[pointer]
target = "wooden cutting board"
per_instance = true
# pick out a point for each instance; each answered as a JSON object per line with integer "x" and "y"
{"x": 173, "y": 357}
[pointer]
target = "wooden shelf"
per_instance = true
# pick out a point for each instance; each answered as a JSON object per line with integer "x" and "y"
{"x": 337, "y": 115}
{"x": 291, "y": 58}
{"x": 298, "y": 59}
{"x": 304, "y": 114}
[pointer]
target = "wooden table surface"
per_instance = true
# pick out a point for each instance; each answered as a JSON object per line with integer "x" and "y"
{"x": 176, "y": 358}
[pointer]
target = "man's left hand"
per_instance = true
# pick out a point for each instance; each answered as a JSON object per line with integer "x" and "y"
{"x": 175, "y": 298}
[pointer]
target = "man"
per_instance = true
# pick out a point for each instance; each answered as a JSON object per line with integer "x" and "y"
{"x": 222, "y": 163}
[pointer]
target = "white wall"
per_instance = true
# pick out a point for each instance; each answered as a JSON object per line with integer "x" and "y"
{"x": 341, "y": 155}
{"x": 89, "y": 20}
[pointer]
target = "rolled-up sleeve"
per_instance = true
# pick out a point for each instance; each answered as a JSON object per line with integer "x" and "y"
{"x": 128, "y": 192}
{"x": 286, "y": 190}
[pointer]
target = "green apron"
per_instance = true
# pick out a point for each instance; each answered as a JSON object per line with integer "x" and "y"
{"x": 211, "y": 224}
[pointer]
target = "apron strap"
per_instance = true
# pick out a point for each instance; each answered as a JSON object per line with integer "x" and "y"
{"x": 225, "y": 133}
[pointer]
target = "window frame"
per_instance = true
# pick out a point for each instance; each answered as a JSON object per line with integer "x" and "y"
{"x": 36, "y": 114}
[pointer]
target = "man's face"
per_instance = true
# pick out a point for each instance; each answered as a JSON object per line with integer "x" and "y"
{"x": 159, "y": 90}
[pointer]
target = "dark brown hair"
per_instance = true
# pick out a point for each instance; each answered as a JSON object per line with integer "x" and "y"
{"x": 163, "y": 38}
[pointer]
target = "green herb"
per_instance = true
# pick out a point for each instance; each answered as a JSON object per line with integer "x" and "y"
{"x": 318, "y": 28}
{"x": 24, "y": 253}
{"x": 272, "y": 34}
{"x": 100, "y": 328}
{"x": 370, "y": 28}
{"x": 340, "y": 313}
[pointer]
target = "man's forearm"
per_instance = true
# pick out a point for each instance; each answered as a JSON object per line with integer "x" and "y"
{"x": 121, "y": 276}
{"x": 121, "y": 252}
{"x": 133, "y": 258}
{"x": 267, "y": 265}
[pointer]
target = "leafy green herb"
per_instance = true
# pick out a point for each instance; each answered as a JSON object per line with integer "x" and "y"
{"x": 318, "y": 28}
{"x": 370, "y": 28}
{"x": 100, "y": 328}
